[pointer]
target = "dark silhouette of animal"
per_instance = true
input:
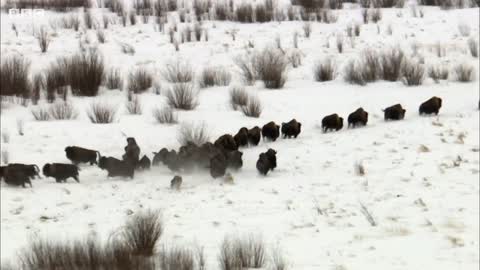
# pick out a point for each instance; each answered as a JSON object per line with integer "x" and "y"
{"x": 218, "y": 166}
{"x": 159, "y": 156}
{"x": 206, "y": 152}
{"x": 176, "y": 182}
{"x": 116, "y": 167}
{"x": 226, "y": 142}
{"x": 395, "y": 112}
{"x": 267, "y": 161}
{"x": 144, "y": 163}
{"x": 431, "y": 106}
{"x": 254, "y": 136}
{"x": 132, "y": 151}
{"x": 332, "y": 122}
{"x": 358, "y": 118}
{"x": 30, "y": 170}
{"x": 15, "y": 176}
{"x": 241, "y": 138}
{"x": 234, "y": 159}
{"x": 81, "y": 155}
{"x": 61, "y": 171}
{"x": 271, "y": 131}
{"x": 291, "y": 129}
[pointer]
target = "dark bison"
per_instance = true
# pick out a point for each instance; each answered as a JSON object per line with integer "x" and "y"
{"x": 254, "y": 135}
{"x": 267, "y": 161}
{"x": 241, "y": 138}
{"x": 395, "y": 112}
{"x": 430, "y": 106}
{"x": 234, "y": 159}
{"x": 81, "y": 155}
{"x": 159, "y": 156}
{"x": 132, "y": 151}
{"x": 291, "y": 129}
{"x": 144, "y": 163}
{"x": 226, "y": 142}
{"x": 358, "y": 118}
{"x": 271, "y": 131}
{"x": 116, "y": 167}
{"x": 176, "y": 182}
{"x": 332, "y": 121}
{"x": 15, "y": 176}
{"x": 218, "y": 166}
{"x": 30, "y": 170}
{"x": 60, "y": 171}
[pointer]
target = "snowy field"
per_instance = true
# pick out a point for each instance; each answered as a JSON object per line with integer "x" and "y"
{"x": 421, "y": 181}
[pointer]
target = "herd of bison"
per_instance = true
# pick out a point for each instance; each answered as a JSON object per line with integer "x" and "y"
{"x": 219, "y": 156}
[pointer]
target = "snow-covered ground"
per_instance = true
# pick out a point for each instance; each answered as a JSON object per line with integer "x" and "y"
{"x": 426, "y": 204}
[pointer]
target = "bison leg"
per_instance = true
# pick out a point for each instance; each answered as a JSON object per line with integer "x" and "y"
{"x": 76, "y": 178}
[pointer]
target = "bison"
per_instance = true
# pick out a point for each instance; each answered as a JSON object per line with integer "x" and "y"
{"x": 395, "y": 112}
{"x": 431, "y": 106}
{"x": 254, "y": 136}
{"x": 267, "y": 161}
{"x": 61, "y": 172}
{"x": 271, "y": 131}
{"x": 358, "y": 118}
{"x": 234, "y": 159}
{"x": 132, "y": 151}
{"x": 159, "y": 156}
{"x": 226, "y": 142}
{"x": 241, "y": 138}
{"x": 81, "y": 155}
{"x": 144, "y": 163}
{"x": 218, "y": 166}
{"x": 291, "y": 129}
{"x": 176, "y": 182}
{"x": 30, "y": 170}
{"x": 332, "y": 122}
{"x": 15, "y": 176}
{"x": 116, "y": 167}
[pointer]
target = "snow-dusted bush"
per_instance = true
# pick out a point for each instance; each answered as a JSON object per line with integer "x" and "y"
{"x": 391, "y": 61}
{"x": 464, "y": 29}
{"x": 295, "y": 58}
{"x": 244, "y": 13}
{"x": 165, "y": 115}
{"x": 142, "y": 232}
{"x": 242, "y": 253}
{"x": 113, "y": 79}
{"x": 182, "y": 96}
{"x": 100, "y": 35}
{"x": 101, "y": 113}
{"x": 133, "y": 18}
{"x": 307, "y": 29}
{"x": 38, "y": 84}
{"x": 264, "y": 12}
{"x": 211, "y": 76}
{"x": 364, "y": 13}
{"x": 324, "y": 70}
{"x": 238, "y": 97}
{"x": 85, "y": 72}
{"x": 197, "y": 31}
{"x": 339, "y": 42}
{"x": 6, "y": 136}
{"x": 88, "y": 19}
{"x": 440, "y": 49}
{"x": 140, "y": 80}
{"x": 278, "y": 260}
{"x": 248, "y": 68}
{"x": 473, "y": 47}
{"x": 253, "y": 108}
{"x": 413, "y": 73}
{"x": 43, "y": 39}
{"x": 193, "y": 132}
{"x": 375, "y": 15}
{"x": 371, "y": 67}
{"x": 463, "y": 72}
{"x": 63, "y": 110}
{"x": 56, "y": 79}
{"x": 14, "y": 76}
{"x": 439, "y": 72}
{"x": 56, "y": 5}
{"x": 133, "y": 105}
{"x": 272, "y": 66}
{"x": 20, "y": 126}
{"x": 353, "y": 74}
{"x": 178, "y": 72}
{"x": 177, "y": 258}
{"x": 41, "y": 114}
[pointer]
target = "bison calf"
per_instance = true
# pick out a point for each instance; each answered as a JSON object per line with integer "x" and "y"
{"x": 267, "y": 161}
{"x": 241, "y": 138}
{"x": 291, "y": 129}
{"x": 271, "y": 131}
{"x": 176, "y": 182}
{"x": 81, "y": 155}
{"x": 431, "y": 106}
{"x": 332, "y": 122}
{"x": 358, "y": 118}
{"x": 254, "y": 135}
{"x": 60, "y": 171}
{"x": 144, "y": 163}
{"x": 395, "y": 112}
{"x": 116, "y": 167}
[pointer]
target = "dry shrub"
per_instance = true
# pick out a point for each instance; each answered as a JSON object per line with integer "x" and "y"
{"x": 142, "y": 232}
{"x": 272, "y": 66}
{"x": 238, "y": 97}
{"x": 20, "y": 126}
{"x": 371, "y": 66}
{"x": 248, "y": 68}
{"x": 181, "y": 258}
{"x": 63, "y": 110}
{"x": 193, "y": 133}
{"x": 212, "y": 76}
{"x": 43, "y": 39}
{"x": 178, "y": 72}
{"x": 85, "y": 73}
{"x": 353, "y": 73}
{"x": 56, "y": 79}
{"x": 413, "y": 73}
{"x": 133, "y": 105}
{"x": 440, "y": 49}
{"x": 375, "y": 15}
{"x": 88, "y": 19}
{"x": 278, "y": 260}
{"x": 464, "y": 29}
{"x": 242, "y": 253}
{"x": 473, "y": 47}
{"x": 139, "y": 80}
{"x": 101, "y": 113}
{"x": 38, "y": 85}
{"x": 14, "y": 76}
{"x": 113, "y": 79}
{"x": 244, "y": 13}
{"x": 324, "y": 70}
{"x": 101, "y": 36}
{"x": 182, "y": 96}
{"x": 463, "y": 72}
{"x": 392, "y": 62}
{"x": 165, "y": 115}
{"x": 295, "y": 58}
{"x": 253, "y": 108}
{"x": 41, "y": 114}
{"x": 438, "y": 73}
{"x": 263, "y": 12}
{"x": 307, "y": 29}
